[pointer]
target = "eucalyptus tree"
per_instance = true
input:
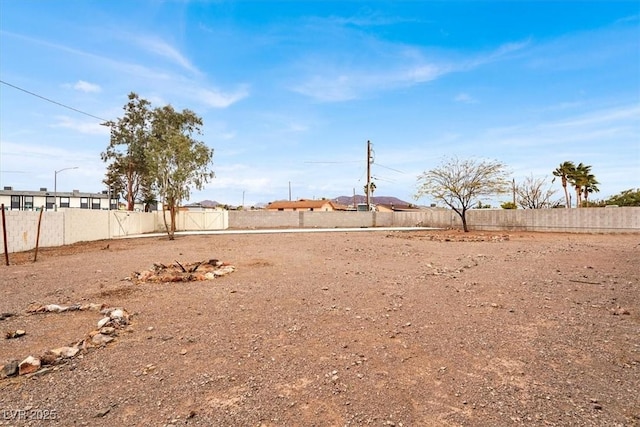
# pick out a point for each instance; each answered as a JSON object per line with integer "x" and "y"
{"x": 126, "y": 153}
{"x": 177, "y": 161}
{"x": 460, "y": 184}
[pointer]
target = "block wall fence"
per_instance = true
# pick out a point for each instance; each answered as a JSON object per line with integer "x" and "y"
{"x": 68, "y": 226}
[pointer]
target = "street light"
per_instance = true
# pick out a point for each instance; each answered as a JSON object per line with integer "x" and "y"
{"x": 55, "y": 186}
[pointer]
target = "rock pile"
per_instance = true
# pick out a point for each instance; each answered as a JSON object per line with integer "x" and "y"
{"x": 113, "y": 320}
{"x": 183, "y": 272}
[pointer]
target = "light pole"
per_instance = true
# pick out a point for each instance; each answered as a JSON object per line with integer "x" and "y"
{"x": 55, "y": 186}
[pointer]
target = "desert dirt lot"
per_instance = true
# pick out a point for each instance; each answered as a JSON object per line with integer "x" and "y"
{"x": 430, "y": 328}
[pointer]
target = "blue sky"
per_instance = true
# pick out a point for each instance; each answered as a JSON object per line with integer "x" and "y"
{"x": 290, "y": 91}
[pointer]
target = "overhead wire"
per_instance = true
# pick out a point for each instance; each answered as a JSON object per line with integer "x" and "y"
{"x": 387, "y": 167}
{"x": 52, "y": 101}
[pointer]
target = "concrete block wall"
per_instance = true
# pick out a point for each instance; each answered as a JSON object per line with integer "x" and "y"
{"x": 22, "y": 230}
{"x": 440, "y": 218}
{"x": 314, "y": 219}
{"x": 67, "y": 226}
{"x": 82, "y": 225}
{"x": 74, "y": 225}
{"x": 88, "y": 225}
{"x": 263, "y": 219}
{"x": 583, "y": 220}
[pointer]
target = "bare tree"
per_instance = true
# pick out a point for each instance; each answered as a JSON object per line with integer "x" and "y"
{"x": 460, "y": 184}
{"x": 534, "y": 193}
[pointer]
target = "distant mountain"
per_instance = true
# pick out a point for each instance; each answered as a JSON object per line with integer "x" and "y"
{"x": 376, "y": 200}
{"x": 209, "y": 203}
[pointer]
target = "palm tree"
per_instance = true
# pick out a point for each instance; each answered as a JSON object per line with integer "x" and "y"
{"x": 565, "y": 171}
{"x": 583, "y": 181}
{"x": 590, "y": 186}
{"x": 372, "y": 188}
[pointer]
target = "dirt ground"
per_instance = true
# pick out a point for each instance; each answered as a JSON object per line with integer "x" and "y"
{"x": 333, "y": 329}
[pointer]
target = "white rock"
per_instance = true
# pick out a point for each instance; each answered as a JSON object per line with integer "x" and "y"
{"x": 118, "y": 313}
{"x": 100, "y": 339}
{"x": 103, "y": 322}
{"x": 108, "y": 330}
{"x": 224, "y": 270}
{"x": 29, "y": 365}
{"x": 65, "y": 351}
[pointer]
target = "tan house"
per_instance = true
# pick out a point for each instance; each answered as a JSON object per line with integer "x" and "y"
{"x": 303, "y": 205}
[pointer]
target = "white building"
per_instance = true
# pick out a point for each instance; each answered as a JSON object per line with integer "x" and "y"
{"x": 34, "y": 200}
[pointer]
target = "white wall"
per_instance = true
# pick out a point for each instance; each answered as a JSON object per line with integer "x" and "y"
{"x": 74, "y": 225}
{"x": 196, "y": 220}
{"x": 69, "y": 226}
{"x": 22, "y": 230}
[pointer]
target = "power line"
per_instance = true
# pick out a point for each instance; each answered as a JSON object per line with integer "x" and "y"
{"x": 387, "y": 167}
{"x": 352, "y": 161}
{"x": 52, "y": 101}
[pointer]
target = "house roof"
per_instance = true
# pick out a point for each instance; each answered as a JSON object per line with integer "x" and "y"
{"x": 301, "y": 204}
{"x": 44, "y": 193}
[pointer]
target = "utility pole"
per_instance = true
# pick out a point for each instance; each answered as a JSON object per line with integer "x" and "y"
{"x": 369, "y": 161}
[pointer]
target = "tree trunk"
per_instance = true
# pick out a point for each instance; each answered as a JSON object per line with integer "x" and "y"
{"x": 164, "y": 217}
{"x": 172, "y": 231}
{"x": 130, "y": 202}
{"x": 463, "y": 216}
{"x": 566, "y": 197}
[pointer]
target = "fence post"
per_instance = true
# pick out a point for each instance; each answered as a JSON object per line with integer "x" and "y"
{"x": 4, "y": 234}
{"x": 35, "y": 256}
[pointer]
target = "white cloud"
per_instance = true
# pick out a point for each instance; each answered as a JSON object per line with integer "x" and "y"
{"x": 121, "y": 66}
{"x": 424, "y": 73}
{"x": 92, "y": 128}
{"x": 630, "y": 113}
{"x": 562, "y": 106}
{"x": 87, "y": 87}
{"x": 327, "y": 89}
{"x": 622, "y": 120}
{"x": 404, "y": 66}
{"x": 218, "y": 99}
{"x": 465, "y": 98}
{"x": 161, "y": 48}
